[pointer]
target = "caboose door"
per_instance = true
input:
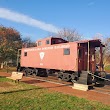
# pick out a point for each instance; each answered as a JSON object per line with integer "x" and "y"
{"x": 80, "y": 58}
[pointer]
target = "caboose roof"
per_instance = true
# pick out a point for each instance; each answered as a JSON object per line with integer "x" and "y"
{"x": 95, "y": 42}
{"x": 85, "y": 41}
{"x": 49, "y": 38}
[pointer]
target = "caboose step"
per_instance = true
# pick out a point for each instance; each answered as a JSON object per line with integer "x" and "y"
{"x": 84, "y": 74}
{"x": 83, "y": 78}
{"x": 82, "y": 82}
{"x": 80, "y": 87}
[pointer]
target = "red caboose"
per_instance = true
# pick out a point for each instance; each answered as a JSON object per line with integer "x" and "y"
{"x": 71, "y": 60}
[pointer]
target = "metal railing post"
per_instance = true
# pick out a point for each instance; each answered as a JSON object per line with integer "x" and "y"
{"x": 88, "y": 57}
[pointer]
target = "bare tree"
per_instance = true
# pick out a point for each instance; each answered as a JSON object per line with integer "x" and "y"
{"x": 106, "y": 49}
{"x": 27, "y": 42}
{"x": 69, "y": 35}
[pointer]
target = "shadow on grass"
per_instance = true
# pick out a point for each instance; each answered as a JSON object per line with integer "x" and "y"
{"x": 2, "y": 77}
{"x": 9, "y": 92}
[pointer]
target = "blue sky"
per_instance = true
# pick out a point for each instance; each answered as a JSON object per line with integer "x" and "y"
{"x": 38, "y": 18}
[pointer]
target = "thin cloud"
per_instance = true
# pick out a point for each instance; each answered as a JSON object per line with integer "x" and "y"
{"x": 91, "y": 3}
{"x": 21, "y": 18}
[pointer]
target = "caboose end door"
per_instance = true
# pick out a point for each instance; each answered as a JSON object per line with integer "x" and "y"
{"x": 80, "y": 58}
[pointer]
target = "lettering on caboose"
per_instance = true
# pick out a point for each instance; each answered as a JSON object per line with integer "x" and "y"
{"x": 47, "y": 48}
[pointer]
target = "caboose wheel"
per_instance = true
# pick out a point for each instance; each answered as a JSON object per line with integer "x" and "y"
{"x": 66, "y": 77}
{"x": 74, "y": 77}
{"x": 25, "y": 71}
{"x": 89, "y": 79}
{"x": 60, "y": 75}
{"x": 42, "y": 73}
{"x": 30, "y": 71}
{"x": 36, "y": 72}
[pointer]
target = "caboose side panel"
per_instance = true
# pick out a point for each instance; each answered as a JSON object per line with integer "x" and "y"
{"x": 58, "y": 56}
{"x": 29, "y": 57}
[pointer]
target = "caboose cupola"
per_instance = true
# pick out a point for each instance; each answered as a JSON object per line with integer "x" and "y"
{"x": 50, "y": 41}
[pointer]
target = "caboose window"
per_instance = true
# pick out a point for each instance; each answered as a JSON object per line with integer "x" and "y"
{"x": 59, "y": 41}
{"x": 47, "y": 42}
{"x": 80, "y": 53}
{"x": 66, "y": 51}
{"x": 25, "y": 53}
{"x": 53, "y": 42}
{"x": 39, "y": 43}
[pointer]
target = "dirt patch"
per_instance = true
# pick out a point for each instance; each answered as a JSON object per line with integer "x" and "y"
{"x": 4, "y": 74}
{"x": 5, "y": 84}
{"x": 33, "y": 81}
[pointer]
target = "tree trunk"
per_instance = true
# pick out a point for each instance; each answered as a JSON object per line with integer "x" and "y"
{"x": 2, "y": 65}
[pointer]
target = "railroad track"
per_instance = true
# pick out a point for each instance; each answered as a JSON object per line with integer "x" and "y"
{"x": 53, "y": 79}
{"x": 104, "y": 89}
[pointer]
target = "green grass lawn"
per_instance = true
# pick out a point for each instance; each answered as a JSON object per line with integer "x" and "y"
{"x": 107, "y": 68}
{"x": 23, "y": 96}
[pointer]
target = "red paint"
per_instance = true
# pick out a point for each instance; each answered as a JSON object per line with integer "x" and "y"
{"x": 51, "y": 56}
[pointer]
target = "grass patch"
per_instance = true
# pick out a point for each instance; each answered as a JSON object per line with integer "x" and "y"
{"x": 9, "y": 86}
{"x": 27, "y": 97}
{"x": 107, "y": 68}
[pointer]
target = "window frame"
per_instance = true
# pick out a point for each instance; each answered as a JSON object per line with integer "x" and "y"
{"x": 66, "y": 51}
{"x": 39, "y": 43}
{"x": 47, "y": 42}
{"x": 53, "y": 41}
{"x": 25, "y": 54}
